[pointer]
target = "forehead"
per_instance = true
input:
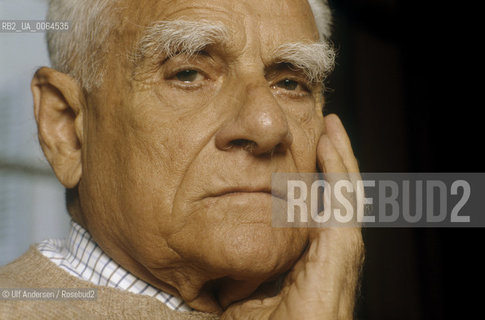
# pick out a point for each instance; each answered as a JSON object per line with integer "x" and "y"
{"x": 272, "y": 22}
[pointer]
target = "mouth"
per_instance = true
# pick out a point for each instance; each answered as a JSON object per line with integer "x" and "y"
{"x": 244, "y": 191}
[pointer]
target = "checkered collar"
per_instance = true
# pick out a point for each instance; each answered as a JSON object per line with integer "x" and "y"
{"x": 80, "y": 256}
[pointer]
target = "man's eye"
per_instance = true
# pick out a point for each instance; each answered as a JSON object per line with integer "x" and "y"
{"x": 188, "y": 76}
{"x": 288, "y": 84}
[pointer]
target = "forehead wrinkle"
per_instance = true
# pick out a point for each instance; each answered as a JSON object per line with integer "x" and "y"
{"x": 168, "y": 38}
{"x": 315, "y": 60}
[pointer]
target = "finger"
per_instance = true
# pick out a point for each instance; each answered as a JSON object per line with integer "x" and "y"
{"x": 329, "y": 158}
{"x": 339, "y": 164}
{"x": 335, "y": 174}
{"x": 337, "y": 134}
{"x": 323, "y": 283}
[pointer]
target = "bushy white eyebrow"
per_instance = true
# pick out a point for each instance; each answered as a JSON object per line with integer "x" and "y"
{"x": 168, "y": 38}
{"x": 315, "y": 60}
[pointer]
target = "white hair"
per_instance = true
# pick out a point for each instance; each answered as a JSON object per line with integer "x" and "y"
{"x": 323, "y": 17}
{"x": 80, "y": 51}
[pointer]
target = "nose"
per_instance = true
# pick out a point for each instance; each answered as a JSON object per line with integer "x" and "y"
{"x": 260, "y": 125}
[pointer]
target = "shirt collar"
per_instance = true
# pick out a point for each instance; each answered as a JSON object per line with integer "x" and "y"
{"x": 80, "y": 256}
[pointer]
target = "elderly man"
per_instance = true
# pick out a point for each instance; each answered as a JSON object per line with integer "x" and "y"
{"x": 164, "y": 120}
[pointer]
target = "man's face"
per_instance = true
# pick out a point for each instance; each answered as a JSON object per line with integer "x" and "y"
{"x": 178, "y": 152}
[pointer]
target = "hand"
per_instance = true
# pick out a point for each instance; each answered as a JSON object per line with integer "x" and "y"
{"x": 322, "y": 284}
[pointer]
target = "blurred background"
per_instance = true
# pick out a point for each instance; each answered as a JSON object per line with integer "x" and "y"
{"x": 407, "y": 86}
{"x": 31, "y": 199}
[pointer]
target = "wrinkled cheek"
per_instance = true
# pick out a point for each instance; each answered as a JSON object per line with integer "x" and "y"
{"x": 305, "y": 148}
{"x": 307, "y": 125}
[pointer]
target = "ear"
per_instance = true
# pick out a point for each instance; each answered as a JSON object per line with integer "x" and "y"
{"x": 59, "y": 104}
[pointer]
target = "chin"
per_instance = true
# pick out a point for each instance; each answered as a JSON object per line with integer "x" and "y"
{"x": 260, "y": 251}
{"x": 238, "y": 240}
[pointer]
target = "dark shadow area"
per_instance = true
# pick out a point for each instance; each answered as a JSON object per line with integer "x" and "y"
{"x": 407, "y": 86}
